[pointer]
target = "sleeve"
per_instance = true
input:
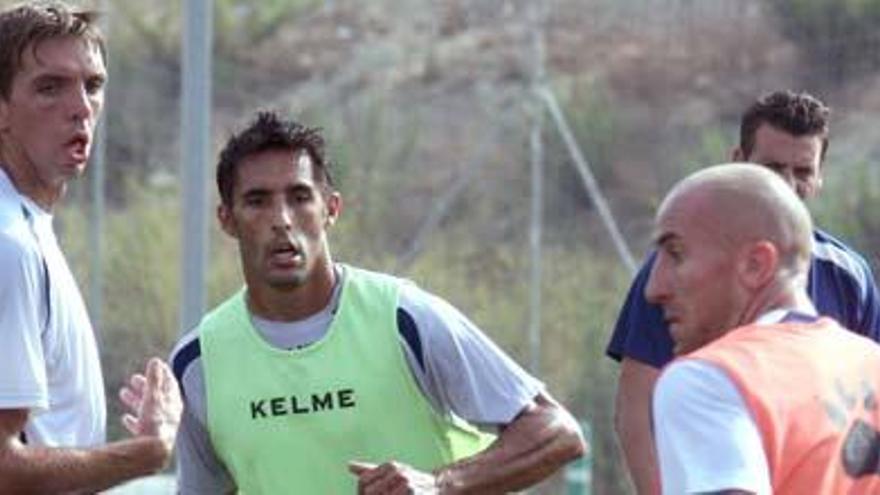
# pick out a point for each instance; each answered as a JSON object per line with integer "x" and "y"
{"x": 464, "y": 372}
{"x": 640, "y": 332}
{"x": 22, "y": 309}
{"x": 199, "y": 470}
{"x": 706, "y": 438}
{"x": 869, "y": 324}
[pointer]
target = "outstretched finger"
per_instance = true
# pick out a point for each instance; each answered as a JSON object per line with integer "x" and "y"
{"x": 358, "y": 468}
{"x": 130, "y": 398}
{"x": 131, "y": 424}
{"x": 160, "y": 378}
{"x": 154, "y": 371}
{"x": 137, "y": 383}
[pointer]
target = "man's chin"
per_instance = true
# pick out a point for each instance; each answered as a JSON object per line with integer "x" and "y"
{"x": 288, "y": 282}
{"x": 677, "y": 350}
{"x": 682, "y": 348}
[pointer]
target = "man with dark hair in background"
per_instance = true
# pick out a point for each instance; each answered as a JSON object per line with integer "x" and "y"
{"x": 786, "y": 132}
{"x": 319, "y": 377}
{"x": 52, "y": 408}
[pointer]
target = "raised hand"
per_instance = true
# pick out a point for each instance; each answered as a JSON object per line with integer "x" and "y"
{"x": 154, "y": 404}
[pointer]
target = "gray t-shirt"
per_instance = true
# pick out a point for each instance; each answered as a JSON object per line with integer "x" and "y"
{"x": 459, "y": 370}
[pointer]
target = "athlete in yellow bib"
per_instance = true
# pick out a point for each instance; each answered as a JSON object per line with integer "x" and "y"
{"x": 319, "y": 377}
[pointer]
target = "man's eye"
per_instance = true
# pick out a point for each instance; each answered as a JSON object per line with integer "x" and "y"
{"x": 48, "y": 88}
{"x": 94, "y": 85}
{"x": 298, "y": 196}
{"x": 254, "y": 200}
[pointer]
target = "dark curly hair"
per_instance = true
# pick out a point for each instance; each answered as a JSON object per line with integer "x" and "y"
{"x": 799, "y": 114}
{"x": 268, "y": 131}
{"x": 25, "y": 26}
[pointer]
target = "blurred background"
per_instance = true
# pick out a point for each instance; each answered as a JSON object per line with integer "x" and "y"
{"x": 455, "y": 170}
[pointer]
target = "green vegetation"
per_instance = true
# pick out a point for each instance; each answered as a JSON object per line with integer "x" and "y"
{"x": 842, "y": 33}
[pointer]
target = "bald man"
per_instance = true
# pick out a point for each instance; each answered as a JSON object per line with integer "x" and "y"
{"x": 788, "y": 133}
{"x": 763, "y": 396}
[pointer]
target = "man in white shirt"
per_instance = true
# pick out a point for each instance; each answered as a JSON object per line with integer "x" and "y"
{"x": 52, "y": 409}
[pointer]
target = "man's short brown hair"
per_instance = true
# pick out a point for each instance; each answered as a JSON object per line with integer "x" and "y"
{"x": 798, "y": 114}
{"x": 25, "y": 26}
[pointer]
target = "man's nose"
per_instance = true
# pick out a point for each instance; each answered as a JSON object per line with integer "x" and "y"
{"x": 656, "y": 288}
{"x": 82, "y": 107}
{"x": 282, "y": 217}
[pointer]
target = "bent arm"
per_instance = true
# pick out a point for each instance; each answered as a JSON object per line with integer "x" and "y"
{"x": 541, "y": 439}
{"x": 154, "y": 407}
{"x": 632, "y": 422}
{"x": 29, "y": 469}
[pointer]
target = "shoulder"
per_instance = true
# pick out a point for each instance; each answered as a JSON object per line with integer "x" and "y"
{"x": 187, "y": 354}
{"x": 641, "y": 279}
{"x": 693, "y": 383}
{"x": 10, "y": 209}
{"x": 353, "y": 273}
{"x": 695, "y": 395}
{"x": 17, "y": 241}
{"x": 19, "y": 252}
{"x": 635, "y": 299}
{"x": 832, "y": 257}
{"x": 640, "y": 331}
{"x": 706, "y": 438}
{"x": 430, "y": 313}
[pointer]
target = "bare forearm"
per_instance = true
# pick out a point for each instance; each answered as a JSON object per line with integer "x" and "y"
{"x": 154, "y": 403}
{"x": 635, "y": 438}
{"x": 633, "y": 424}
{"x": 531, "y": 448}
{"x": 26, "y": 469}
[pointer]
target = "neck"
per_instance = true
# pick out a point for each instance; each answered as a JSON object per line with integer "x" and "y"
{"x": 784, "y": 294}
{"x": 293, "y": 303}
{"x": 26, "y": 181}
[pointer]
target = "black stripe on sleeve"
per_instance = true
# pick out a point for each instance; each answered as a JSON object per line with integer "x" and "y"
{"x": 410, "y": 332}
{"x": 187, "y": 354}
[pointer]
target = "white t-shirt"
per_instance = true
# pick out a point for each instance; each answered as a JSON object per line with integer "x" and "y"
{"x": 48, "y": 356}
{"x": 459, "y": 371}
{"x": 705, "y": 435}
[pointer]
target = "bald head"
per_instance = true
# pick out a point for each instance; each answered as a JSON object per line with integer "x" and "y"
{"x": 740, "y": 203}
{"x": 734, "y": 241}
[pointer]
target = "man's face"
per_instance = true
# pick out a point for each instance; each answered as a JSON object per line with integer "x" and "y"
{"x": 280, "y": 217}
{"x": 46, "y": 124}
{"x": 692, "y": 277}
{"x": 795, "y": 159}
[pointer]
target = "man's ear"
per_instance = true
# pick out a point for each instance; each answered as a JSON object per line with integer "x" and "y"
{"x": 759, "y": 262}
{"x": 334, "y": 208}
{"x": 227, "y": 222}
{"x": 737, "y": 155}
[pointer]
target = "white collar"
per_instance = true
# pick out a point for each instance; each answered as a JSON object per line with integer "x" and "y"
{"x": 778, "y": 315}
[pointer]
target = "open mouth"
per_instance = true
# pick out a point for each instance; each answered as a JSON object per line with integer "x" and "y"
{"x": 78, "y": 147}
{"x": 285, "y": 254}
